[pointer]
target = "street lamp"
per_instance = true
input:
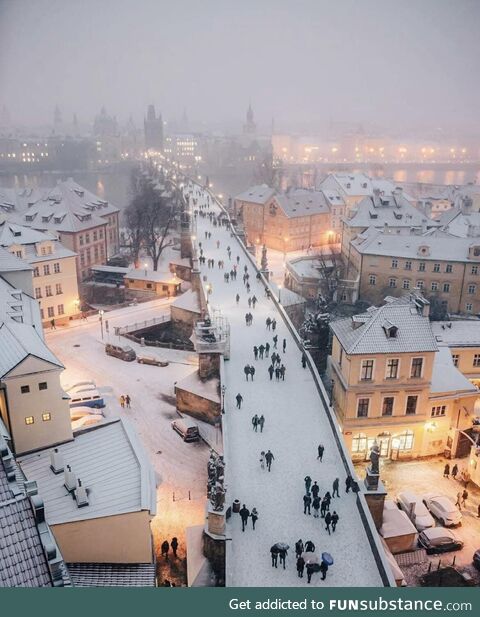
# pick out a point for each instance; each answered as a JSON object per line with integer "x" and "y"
{"x": 223, "y": 398}
{"x": 145, "y": 265}
{"x": 101, "y": 312}
{"x": 279, "y": 291}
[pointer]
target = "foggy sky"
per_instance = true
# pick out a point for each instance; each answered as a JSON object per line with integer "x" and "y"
{"x": 393, "y": 63}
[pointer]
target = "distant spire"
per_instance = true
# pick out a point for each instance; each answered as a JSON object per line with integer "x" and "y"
{"x": 57, "y": 116}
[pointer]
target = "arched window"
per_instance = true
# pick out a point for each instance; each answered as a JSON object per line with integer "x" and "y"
{"x": 359, "y": 443}
{"x": 404, "y": 441}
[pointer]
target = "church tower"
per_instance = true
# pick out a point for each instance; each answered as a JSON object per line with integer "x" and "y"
{"x": 250, "y": 127}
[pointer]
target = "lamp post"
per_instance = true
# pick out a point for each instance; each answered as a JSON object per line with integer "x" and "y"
{"x": 279, "y": 292}
{"x": 145, "y": 265}
{"x": 101, "y": 312}
{"x": 223, "y": 397}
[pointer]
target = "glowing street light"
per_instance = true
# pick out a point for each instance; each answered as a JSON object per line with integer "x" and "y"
{"x": 145, "y": 265}
{"x": 279, "y": 291}
{"x": 101, "y": 313}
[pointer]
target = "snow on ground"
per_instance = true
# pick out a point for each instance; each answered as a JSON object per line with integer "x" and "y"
{"x": 295, "y": 424}
{"x": 180, "y": 466}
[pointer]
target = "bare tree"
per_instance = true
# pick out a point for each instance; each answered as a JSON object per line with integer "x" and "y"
{"x": 159, "y": 219}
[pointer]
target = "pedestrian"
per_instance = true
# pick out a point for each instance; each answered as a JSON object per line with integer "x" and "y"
{"x": 307, "y": 502}
{"x": 284, "y": 345}
{"x": 274, "y": 554}
{"x": 300, "y": 566}
{"x": 274, "y": 324}
{"x": 174, "y": 545}
{"x": 328, "y": 521}
{"x": 335, "y": 487}
{"x": 261, "y": 351}
{"x": 255, "y": 422}
{"x": 458, "y": 503}
{"x": 308, "y": 483}
{"x": 252, "y": 372}
{"x": 255, "y": 352}
{"x": 464, "y": 498}
{"x": 299, "y": 548}
{"x": 268, "y": 321}
{"x": 446, "y": 471}
{"x": 239, "y": 399}
{"x": 247, "y": 287}
{"x": 262, "y": 459}
{"x": 249, "y": 302}
{"x": 165, "y": 548}
{"x": 323, "y": 507}
{"x": 52, "y": 324}
{"x": 283, "y": 554}
{"x": 254, "y": 301}
{"x": 454, "y": 471}
{"x": 269, "y": 458}
{"x": 310, "y": 571}
{"x": 237, "y": 298}
{"x": 254, "y": 515}
{"x": 328, "y": 498}
{"x": 304, "y": 360}
{"x": 244, "y": 514}
{"x": 315, "y": 489}
{"x": 324, "y": 570}
{"x": 282, "y": 372}
{"x": 335, "y": 518}
{"x": 316, "y": 506}
{"x": 267, "y": 349}
{"x": 321, "y": 450}
{"x": 270, "y": 371}
{"x": 348, "y": 483}
{"x": 277, "y": 374}
{"x": 309, "y": 546}
{"x": 128, "y": 400}
{"x": 275, "y": 341}
{"x": 261, "y": 422}
{"x": 246, "y": 370}
{"x": 122, "y": 401}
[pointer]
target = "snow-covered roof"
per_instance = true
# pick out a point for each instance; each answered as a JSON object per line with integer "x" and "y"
{"x": 446, "y": 377}
{"x": 151, "y": 275}
{"x": 352, "y": 184}
{"x": 459, "y": 224}
{"x": 300, "y": 202}
{"x": 12, "y": 234}
{"x": 392, "y": 210}
{"x": 258, "y": 194}
{"x": 12, "y": 263}
{"x": 287, "y": 296}
{"x": 209, "y": 389}
{"x": 112, "y": 574}
{"x": 368, "y": 333}
{"x": 188, "y": 301}
{"x": 112, "y": 465}
{"x": 461, "y": 333}
{"x": 396, "y": 523}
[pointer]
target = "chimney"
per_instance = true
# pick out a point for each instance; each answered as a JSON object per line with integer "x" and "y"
{"x": 38, "y": 508}
{"x": 70, "y": 479}
{"x": 31, "y": 487}
{"x": 81, "y": 496}
{"x": 56, "y": 461}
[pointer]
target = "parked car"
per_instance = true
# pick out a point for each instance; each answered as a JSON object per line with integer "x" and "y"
{"x": 415, "y": 509}
{"x": 151, "y": 360}
{"x": 443, "y": 509}
{"x": 124, "y": 352}
{"x": 439, "y": 540}
{"x": 86, "y": 398}
{"x": 187, "y": 429}
{"x": 476, "y": 559}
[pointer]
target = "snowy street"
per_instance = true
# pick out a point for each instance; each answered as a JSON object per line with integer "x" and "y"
{"x": 295, "y": 424}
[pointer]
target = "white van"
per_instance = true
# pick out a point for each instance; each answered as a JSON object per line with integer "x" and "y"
{"x": 187, "y": 429}
{"x": 415, "y": 509}
{"x": 86, "y": 398}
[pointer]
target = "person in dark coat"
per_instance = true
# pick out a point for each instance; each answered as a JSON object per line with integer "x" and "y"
{"x": 299, "y": 548}
{"x": 254, "y": 516}
{"x": 323, "y": 507}
{"x": 300, "y": 566}
{"x": 275, "y": 341}
{"x": 255, "y": 422}
{"x": 284, "y": 345}
{"x": 455, "y": 471}
{"x": 261, "y": 351}
{"x": 315, "y": 489}
{"x": 310, "y": 571}
{"x": 316, "y": 506}
{"x": 271, "y": 371}
{"x": 261, "y": 422}
{"x": 252, "y": 372}
{"x": 321, "y": 450}
{"x": 239, "y": 399}
{"x": 307, "y": 502}
{"x": 304, "y": 360}
{"x": 282, "y": 372}
{"x": 237, "y": 298}
{"x": 255, "y": 352}
{"x": 308, "y": 483}
{"x": 246, "y": 370}
{"x": 334, "y": 520}
{"x": 267, "y": 349}
{"x": 244, "y": 514}
{"x": 328, "y": 499}
{"x": 324, "y": 570}
{"x": 328, "y": 521}
{"x": 268, "y": 321}
{"x": 336, "y": 482}
{"x": 446, "y": 471}
{"x": 174, "y": 545}
{"x": 309, "y": 546}
{"x": 165, "y": 548}
{"x": 283, "y": 555}
{"x": 269, "y": 458}
{"x": 274, "y": 324}
{"x": 348, "y": 483}
{"x": 277, "y": 374}
{"x": 274, "y": 554}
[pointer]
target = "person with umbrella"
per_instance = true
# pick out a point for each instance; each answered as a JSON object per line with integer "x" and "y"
{"x": 311, "y": 563}
{"x": 324, "y": 570}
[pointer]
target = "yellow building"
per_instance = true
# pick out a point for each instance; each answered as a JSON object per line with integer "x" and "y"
{"x": 163, "y": 284}
{"x": 462, "y": 337}
{"x": 392, "y": 384}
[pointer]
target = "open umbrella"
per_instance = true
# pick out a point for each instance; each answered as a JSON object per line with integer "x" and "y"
{"x": 310, "y": 558}
{"x": 281, "y": 546}
{"x": 327, "y": 558}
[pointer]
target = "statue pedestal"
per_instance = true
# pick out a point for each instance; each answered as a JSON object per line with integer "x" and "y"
{"x": 375, "y": 498}
{"x": 216, "y": 522}
{"x": 371, "y": 480}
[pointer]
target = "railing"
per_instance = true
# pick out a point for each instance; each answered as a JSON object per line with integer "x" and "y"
{"x": 163, "y": 344}
{"x": 141, "y": 325}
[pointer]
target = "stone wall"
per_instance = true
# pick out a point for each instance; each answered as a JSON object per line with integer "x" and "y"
{"x": 197, "y": 406}
{"x": 208, "y": 365}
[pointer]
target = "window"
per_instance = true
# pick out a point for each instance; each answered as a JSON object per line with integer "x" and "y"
{"x": 387, "y": 407}
{"x": 58, "y": 288}
{"x": 42, "y": 385}
{"x": 367, "y": 370}
{"x": 417, "y": 366}
{"x": 36, "y": 272}
{"x": 50, "y": 311}
{"x": 472, "y": 288}
{"x": 469, "y": 307}
{"x": 94, "y": 236}
{"x": 411, "y": 408}
{"x": 476, "y": 359}
{"x": 87, "y": 238}
{"x": 24, "y": 389}
{"x": 29, "y": 420}
{"x": 449, "y": 268}
{"x": 455, "y": 359}
{"x": 60, "y": 309}
{"x": 46, "y": 270}
{"x": 56, "y": 267}
{"x": 394, "y": 263}
{"x": 438, "y": 410}
{"x": 392, "y": 282}
{"x": 474, "y": 270}
{"x": 359, "y": 443}
{"x": 81, "y": 240}
{"x": 47, "y": 416}
{"x": 403, "y": 441}
{"x": 82, "y": 259}
{"x": 406, "y": 284}
{"x": 434, "y": 286}
{"x": 420, "y": 284}
{"x": 392, "y": 368}
{"x": 372, "y": 279}
{"x": 436, "y": 267}
{"x": 19, "y": 254}
{"x": 421, "y": 266}
{"x": 48, "y": 290}
{"x": 362, "y": 408}
{"x": 38, "y": 293}
{"x": 42, "y": 314}
{"x": 408, "y": 265}
{"x": 446, "y": 288}
{"x": 100, "y": 234}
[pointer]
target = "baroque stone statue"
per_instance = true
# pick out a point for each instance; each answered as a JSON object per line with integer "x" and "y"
{"x": 374, "y": 458}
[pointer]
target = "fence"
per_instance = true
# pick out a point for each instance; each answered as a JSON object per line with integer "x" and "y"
{"x": 141, "y": 325}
